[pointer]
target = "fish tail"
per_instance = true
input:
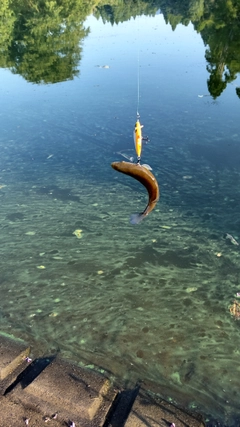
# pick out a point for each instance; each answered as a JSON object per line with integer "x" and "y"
{"x": 136, "y": 218}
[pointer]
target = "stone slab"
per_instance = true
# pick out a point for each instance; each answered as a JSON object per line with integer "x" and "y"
{"x": 13, "y": 355}
{"x": 15, "y": 415}
{"x": 148, "y": 411}
{"x": 76, "y": 394}
{"x": 50, "y": 385}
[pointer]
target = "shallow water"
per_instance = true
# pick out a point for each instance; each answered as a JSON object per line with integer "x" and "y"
{"x": 148, "y": 302}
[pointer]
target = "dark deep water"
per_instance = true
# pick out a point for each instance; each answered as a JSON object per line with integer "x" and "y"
{"x": 153, "y": 301}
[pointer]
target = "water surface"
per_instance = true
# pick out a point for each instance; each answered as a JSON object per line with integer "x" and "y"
{"x": 148, "y": 302}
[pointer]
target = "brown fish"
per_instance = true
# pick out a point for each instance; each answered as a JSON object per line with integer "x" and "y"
{"x": 143, "y": 175}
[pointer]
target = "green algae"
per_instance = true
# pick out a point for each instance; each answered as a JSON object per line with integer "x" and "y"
{"x": 158, "y": 311}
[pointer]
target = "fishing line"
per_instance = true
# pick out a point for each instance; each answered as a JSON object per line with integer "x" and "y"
{"x": 138, "y": 84}
{"x": 138, "y": 69}
{"x": 137, "y": 134}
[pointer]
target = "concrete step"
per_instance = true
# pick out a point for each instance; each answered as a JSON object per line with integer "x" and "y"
{"x": 156, "y": 412}
{"x": 13, "y": 355}
{"x": 51, "y": 391}
{"x": 17, "y": 415}
{"x": 72, "y": 392}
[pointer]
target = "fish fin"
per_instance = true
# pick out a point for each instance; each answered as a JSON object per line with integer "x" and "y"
{"x": 130, "y": 158}
{"x": 147, "y": 167}
{"x": 136, "y": 218}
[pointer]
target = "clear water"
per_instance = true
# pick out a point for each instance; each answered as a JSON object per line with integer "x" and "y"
{"x": 148, "y": 302}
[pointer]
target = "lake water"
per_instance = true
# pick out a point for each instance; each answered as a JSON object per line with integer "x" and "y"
{"x": 149, "y": 302}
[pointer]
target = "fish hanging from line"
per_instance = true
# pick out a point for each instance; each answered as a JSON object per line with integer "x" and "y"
{"x": 146, "y": 178}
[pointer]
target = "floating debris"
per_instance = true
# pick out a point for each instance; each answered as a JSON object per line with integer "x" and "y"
{"x": 191, "y": 289}
{"x": 235, "y": 310}
{"x": 232, "y": 240}
{"x": 53, "y": 314}
{"x": 41, "y": 267}
{"x": 2, "y": 186}
{"x": 78, "y": 233}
